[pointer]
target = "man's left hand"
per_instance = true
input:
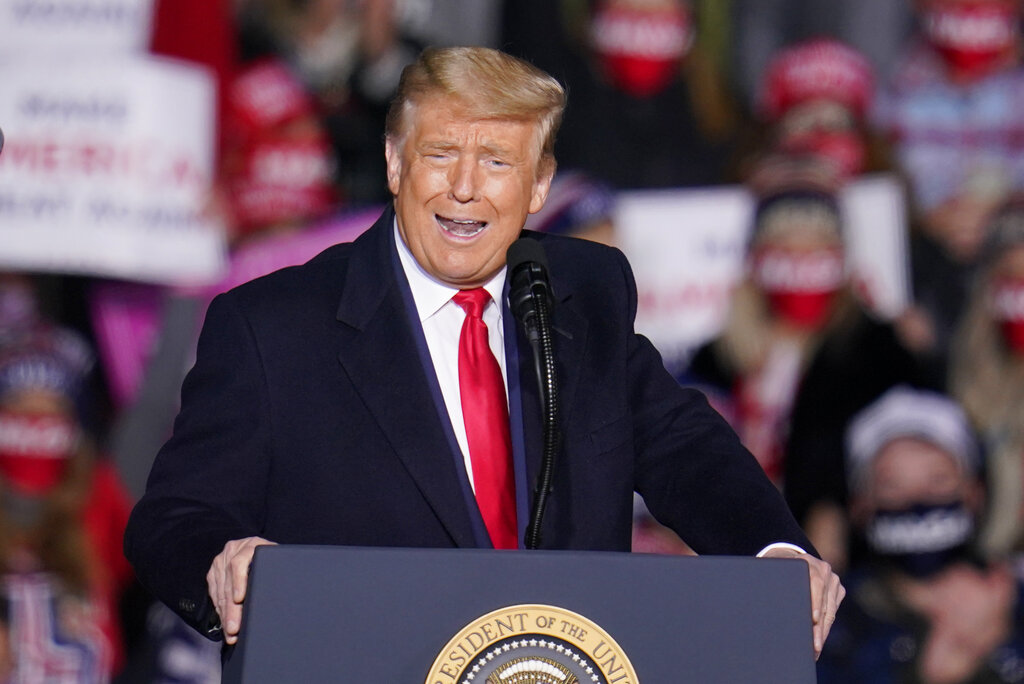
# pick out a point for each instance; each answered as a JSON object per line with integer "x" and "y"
{"x": 826, "y": 593}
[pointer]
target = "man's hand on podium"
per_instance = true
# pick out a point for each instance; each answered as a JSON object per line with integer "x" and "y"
{"x": 227, "y": 580}
{"x": 826, "y": 593}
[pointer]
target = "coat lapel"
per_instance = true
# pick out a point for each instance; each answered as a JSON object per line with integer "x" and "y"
{"x": 379, "y": 353}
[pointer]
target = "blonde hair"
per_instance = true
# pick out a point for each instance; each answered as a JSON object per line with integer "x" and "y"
{"x": 487, "y": 83}
{"x": 989, "y": 383}
{"x": 984, "y": 373}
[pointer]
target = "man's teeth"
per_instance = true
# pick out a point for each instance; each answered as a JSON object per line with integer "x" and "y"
{"x": 462, "y": 227}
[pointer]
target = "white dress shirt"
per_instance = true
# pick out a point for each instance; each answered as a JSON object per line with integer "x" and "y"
{"x": 442, "y": 319}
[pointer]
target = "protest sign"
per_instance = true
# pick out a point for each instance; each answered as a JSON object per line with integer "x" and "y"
{"x": 47, "y": 28}
{"x": 106, "y": 170}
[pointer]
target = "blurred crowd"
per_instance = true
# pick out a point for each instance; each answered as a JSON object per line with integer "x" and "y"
{"x": 898, "y": 442}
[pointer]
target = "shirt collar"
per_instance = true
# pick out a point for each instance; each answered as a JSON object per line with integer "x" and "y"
{"x": 428, "y": 292}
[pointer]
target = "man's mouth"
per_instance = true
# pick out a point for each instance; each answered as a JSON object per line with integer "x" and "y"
{"x": 461, "y": 228}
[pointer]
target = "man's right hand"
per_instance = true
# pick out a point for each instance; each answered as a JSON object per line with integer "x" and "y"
{"x": 227, "y": 580}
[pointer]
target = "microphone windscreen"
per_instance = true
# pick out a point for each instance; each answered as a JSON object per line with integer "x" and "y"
{"x": 525, "y": 250}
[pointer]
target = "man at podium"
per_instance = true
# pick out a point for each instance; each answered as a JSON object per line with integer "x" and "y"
{"x": 383, "y": 395}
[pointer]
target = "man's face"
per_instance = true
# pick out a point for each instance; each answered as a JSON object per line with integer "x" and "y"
{"x": 463, "y": 188}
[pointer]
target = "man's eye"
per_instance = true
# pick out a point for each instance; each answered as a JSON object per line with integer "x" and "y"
{"x": 497, "y": 163}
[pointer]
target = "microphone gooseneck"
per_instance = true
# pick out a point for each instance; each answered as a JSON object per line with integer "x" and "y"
{"x": 531, "y": 302}
{"x": 528, "y": 266}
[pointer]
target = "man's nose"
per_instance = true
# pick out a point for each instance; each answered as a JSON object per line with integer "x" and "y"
{"x": 465, "y": 180}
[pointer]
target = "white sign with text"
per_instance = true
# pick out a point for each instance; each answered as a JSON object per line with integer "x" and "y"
{"x": 686, "y": 248}
{"x": 106, "y": 170}
{"x": 30, "y": 28}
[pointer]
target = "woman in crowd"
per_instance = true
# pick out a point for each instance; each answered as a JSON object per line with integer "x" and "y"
{"x": 62, "y": 517}
{"x": 988, "y": 372}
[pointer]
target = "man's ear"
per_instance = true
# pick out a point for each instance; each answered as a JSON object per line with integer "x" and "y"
{"x": 393, "y": 155}
{"x": 542, "y": 185}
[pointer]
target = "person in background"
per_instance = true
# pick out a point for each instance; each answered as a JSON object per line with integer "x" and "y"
{"x": 814, "y": 99}
{"x": 62, "y": 516}
{"x": 796, "y": 333}
{"x": 278, "y": 166}
{"x": 665, "y": 119}
{"x": 348, "y": 56}
{"x": 987, "y": 372}
{"x": 952, "y": 114}
{"x": 922, "y": 607}
{"x": 795, "y": 284}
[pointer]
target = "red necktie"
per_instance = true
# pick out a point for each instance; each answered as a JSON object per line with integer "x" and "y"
{"x": 485, "y": 412}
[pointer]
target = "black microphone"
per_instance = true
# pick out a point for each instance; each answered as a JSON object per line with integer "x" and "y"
{"x": 530, "y": 301}
{"x": 528, "y": 266}
{"x": 1, "y": 140}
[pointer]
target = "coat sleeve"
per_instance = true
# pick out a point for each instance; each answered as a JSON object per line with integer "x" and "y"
{"x": 208, "y": 482}
{"x": 690, "y": 467}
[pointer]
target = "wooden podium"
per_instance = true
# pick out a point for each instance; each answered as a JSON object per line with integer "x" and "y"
{"x": 410, "y": 616}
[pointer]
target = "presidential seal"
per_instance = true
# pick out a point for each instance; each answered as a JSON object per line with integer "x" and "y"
{"x": 532, "y": 644}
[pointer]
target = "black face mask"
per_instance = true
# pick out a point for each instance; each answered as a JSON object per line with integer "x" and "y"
{"x": 922, "y": 539}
